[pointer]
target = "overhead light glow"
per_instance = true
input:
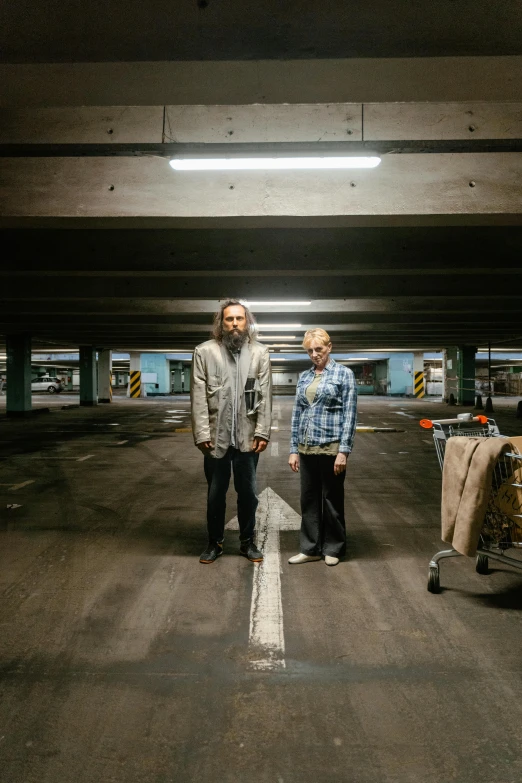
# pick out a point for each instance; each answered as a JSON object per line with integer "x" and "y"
{"x": 276, "y": 337}
{"x": 279, "y": 326}
{"x": 278, "y": 304}
{"x": 358, "y": 359}
{"x": 265, "y": 164}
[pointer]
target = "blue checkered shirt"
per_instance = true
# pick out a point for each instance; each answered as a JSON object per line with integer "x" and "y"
{"x": 332, "y": 415}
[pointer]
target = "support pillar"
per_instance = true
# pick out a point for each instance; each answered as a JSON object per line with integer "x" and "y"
{"x": 450, "y": 372}
{"x": 88, "y": 385}
{"x": 419, "y": 389}
{"x": 135, "y": 387}
{"x": 105, "y": 375}
{"x": 18, "y": 375}
{"x": 466, "y": 374}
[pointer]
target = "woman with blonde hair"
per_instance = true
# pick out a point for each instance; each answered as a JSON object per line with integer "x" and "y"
{"x": 323, "y": 427}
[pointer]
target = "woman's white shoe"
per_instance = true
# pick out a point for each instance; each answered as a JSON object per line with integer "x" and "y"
{"x": 331, "y": 561}
{"x": 300, "y": 558}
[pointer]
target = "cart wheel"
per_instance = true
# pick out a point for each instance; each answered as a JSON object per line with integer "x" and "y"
{"x": 434, "y": 580}
{"x": 482, "y": 564}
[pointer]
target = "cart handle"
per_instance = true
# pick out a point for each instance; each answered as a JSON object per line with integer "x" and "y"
{"x": 427, "y": 424}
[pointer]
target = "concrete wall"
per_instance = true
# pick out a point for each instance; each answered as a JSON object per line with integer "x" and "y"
{"x": 156, "y": 363}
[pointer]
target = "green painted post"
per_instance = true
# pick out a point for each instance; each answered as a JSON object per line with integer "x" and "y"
{"x": 18, "y": 375}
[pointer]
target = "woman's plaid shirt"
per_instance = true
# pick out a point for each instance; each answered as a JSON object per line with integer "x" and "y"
{"x": 333, "y": 413}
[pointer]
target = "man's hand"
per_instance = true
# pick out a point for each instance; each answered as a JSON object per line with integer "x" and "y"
{"x": 205, "y": 446}
{"x": 340, "y": 463}
{"x": 259, "y": 445}
{"x": 293, "y": 461}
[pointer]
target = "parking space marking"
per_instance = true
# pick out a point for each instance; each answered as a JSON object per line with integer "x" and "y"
{"x": 121, "y": 442}
{"x": 23, "y": 484}
{"x": 82, "y": 459}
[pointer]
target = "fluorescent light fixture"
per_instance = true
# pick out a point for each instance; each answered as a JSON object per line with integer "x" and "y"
{"x": 279, "y": 326}
{"x": 281, "y": 345}
{"x": 266, "y": 164}
{"x": 279, "y": 304}
{"x": 276, "y": 337}
{"x": 278, "y": 359}
{"x": 358, "y": 359}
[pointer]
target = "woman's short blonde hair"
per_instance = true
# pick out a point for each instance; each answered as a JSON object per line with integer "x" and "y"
{"x": 316, "y": 334}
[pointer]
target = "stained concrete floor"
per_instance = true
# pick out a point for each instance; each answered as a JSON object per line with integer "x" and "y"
{"x": 124, "y": 660}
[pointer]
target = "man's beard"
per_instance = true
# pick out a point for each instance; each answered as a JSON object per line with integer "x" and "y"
{"x": 235, "y": 339}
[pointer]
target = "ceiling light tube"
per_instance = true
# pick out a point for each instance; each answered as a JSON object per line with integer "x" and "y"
{"x": 276, "y": 337}
{"x": 268, "y": 164}
{"x": 278, "y": 304}
{"x": 279, "y": 326}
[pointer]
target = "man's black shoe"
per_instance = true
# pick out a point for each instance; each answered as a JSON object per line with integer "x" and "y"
{"x": 212, "y": 552}
{"x": 249, "y": 550}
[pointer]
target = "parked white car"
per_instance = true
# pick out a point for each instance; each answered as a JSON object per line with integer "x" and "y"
{"x": 48, "y": 384}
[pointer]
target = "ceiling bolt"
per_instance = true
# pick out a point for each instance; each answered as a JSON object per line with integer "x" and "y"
{"x": 349, "y": 132}
{"x": 472, "y": 183}
{"x": 472, "y": 128}
{"x": 111, "y": 187}
{"x": 352, "y": 184}
{"x": 109, "y": 131}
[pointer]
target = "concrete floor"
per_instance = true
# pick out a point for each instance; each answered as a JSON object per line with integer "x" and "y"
{"x": 122, "y": 660}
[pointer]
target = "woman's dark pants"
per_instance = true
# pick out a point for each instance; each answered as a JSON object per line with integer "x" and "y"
{"x": 217, "y": 473}
{"x": 322, "y": 506}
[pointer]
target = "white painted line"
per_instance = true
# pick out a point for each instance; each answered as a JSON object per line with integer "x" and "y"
{"x": 23, "y": 484}
{"x": 13, "y": 505}
{"x": 266, "y": 638}
{"x": 404, "y": 452}
{"x": 274, "y": 449}
{"x": 401, "y": 413}
{"x": 121, "y": 442}
{"x": 82, "y": 459}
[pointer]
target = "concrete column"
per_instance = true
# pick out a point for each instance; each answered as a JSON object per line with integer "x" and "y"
{"x": 419, "y": 385}
{"x": 88, "y": 385}
{"x": 466, "y": 373}
{"x": 135, "y": 388}
{"x": 18, "y": 375}
{"x": 450, "y": 372}
{"x": 105, "y": 375}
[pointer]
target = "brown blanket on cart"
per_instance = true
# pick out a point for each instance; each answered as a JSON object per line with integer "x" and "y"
{"x": 466, "y": 486}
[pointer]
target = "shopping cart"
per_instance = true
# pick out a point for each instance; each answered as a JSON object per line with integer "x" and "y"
{"x": 500, "y": 531}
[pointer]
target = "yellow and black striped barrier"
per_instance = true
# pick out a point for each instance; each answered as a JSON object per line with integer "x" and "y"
{"x": 135, "y": 384}
{"x": 418, "y": 387}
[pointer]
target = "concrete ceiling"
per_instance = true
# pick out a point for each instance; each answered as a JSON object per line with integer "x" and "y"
{"x": 421, "y": 253}
{"x": 404, "y": 287}
{"x": 132, "y": 30}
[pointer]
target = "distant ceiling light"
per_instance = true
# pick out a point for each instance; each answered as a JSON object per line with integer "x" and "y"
{"x": 264, "y": 164}
{"x": 277, "y": 359}
{"x": 358, "y": 359}
{"x": 276, "y": 337}
{"x": 279, "y": 326}
{"x": 278, "y": 304}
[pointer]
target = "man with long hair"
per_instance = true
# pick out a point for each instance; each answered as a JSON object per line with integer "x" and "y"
{"x": 231, "y": 395}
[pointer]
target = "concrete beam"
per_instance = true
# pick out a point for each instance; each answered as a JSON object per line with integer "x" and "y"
{"x": 410, "y": 121}
{"x": 257, "y": 284}
{"x": 260, "y": 123}
{"x": 357, "y": 80}
{"x": 141, "y": 187}
{"x": 81, "y": 124}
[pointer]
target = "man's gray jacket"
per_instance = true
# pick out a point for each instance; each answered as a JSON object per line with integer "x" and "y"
{"x": 212, "y": 388}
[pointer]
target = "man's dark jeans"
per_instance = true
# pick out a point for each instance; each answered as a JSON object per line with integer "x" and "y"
{"x": 217, "y": 473}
